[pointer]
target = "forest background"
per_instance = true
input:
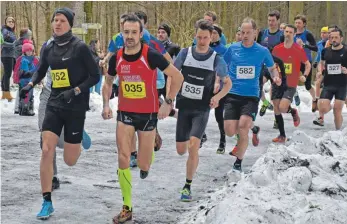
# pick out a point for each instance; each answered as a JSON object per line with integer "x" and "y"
{"x": 181, "y": 16}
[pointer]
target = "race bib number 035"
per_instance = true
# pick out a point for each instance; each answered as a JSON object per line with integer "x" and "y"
{"x": 334, "y": 69}
{"x": 192, "y": 91}
{"x": 288, "y": 68}
{"x": 134, "y": 90}
{"x": 60, "y": 78}
{"x": 245, "y": 72}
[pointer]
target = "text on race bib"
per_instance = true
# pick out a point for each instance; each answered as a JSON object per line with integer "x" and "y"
{"x": 134, "y": 90}
{"x": 288, "y": 68}
{"x": 334, "y": 69}
{"x": 60, "y": 78}
{"x": 245, "y": 72}
{"x": 192, "y": 91}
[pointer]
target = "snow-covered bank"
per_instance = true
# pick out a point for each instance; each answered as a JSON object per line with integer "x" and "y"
{"x": 305, "y": 182}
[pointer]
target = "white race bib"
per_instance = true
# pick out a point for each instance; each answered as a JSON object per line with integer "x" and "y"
{"x": 192, "y": 91}
{"x": 334, "y": 69}
{"x": 245, "y": 72}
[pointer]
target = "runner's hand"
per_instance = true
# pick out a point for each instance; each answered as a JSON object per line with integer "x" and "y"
{"x": 299, "y": 41}
{"x": 164, "y": 110}
{"x": 344, "y": 70}
{"x": 302, "y": 78}
{"x": 214, "y": 103}
{"x": 107, "y": 113}
{"x": 216, "y": 88}
{"x": 318, "y": 75}
{"x": 102, "y": 63}
{"x": 277, "y": 80}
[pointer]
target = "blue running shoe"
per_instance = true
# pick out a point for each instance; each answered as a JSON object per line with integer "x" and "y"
{"x": 86, "y": 140}
{"x": 46, "y": 211}
{"x": 237, "y": 167}
{"x": 133, "y": 161}
{"x": 186, "y": 195}
{"x": 297, "y": 99}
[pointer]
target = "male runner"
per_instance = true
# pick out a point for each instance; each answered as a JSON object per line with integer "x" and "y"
{"x": 218, "y": 111}
{"x": 334, "y": 62}
{"x": 73, "y": 71}
{"x": 138, "y": 107}
{"x": 199, "y": 65}
{"x": 283, "y": 26}
{"x": 245, "y": 60}
{"x": 292, "y": 55}
{"x": 269, "y": 38}
{"x": 305, "y": 38}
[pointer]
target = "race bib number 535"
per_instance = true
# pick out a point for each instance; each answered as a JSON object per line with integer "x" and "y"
{"x": 134, "y": 90}
{"x": 334, "y": 69}
{"x": 60, "y": 78}
{"x": 245, "y": 72}
{"x": 191, "y": 91}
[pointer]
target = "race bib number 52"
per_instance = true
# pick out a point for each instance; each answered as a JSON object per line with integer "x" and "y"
{"x": 245, "y": 72}
{"x": 134, "y": 90}
{"x": 192, "y": 91}
{"x": 60, "y": 78}
{"x": 334, "y": 69}
{"x": 288, "y": 68}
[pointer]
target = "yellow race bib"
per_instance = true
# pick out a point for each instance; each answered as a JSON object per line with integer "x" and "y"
{"x": 134, "y": 90}
{"x": 288, "y": 68}
{"x": 60, "y": 78}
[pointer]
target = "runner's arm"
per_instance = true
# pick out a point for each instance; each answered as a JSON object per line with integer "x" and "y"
{"x": 312, "y": 45}
{"x": 109, "y": 78}
{"x": 273, "y": 72}
{"x": 41, "y": 70}
{"x": 176, "y": 80}
{"x": 307, "y": 68}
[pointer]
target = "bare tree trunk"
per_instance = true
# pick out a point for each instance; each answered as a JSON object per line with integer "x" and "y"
{"x": 37, "y": 27}
{"x": 88, "y": 7}
{"x": 295, "y": 8}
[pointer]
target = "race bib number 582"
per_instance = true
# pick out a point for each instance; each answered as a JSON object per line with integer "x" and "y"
{"x": 134, "y": 90}
{"x": 245, "y": 72}
{"x": 60, "y": 78}
{"x": 334, "y": 69}
{"x": 191, "y": 91}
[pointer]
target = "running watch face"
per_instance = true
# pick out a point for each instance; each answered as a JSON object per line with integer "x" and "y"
{"x": 168, "y": 101}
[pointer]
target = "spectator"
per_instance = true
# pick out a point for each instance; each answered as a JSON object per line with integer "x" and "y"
{"x": 7, "y": 55}
{"x": 94, "y": 46}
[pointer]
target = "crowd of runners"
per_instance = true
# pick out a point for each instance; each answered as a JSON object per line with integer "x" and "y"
{"x": 153, "y": 79}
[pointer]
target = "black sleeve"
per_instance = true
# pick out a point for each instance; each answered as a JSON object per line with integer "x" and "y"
{"x": 177, "y": 50}
{"x": 92, "y": 68}
{"x": 42, "y": 68}
{"x": 282, "y": 68}
{"x": 322, "y": 58}
{"x": 157, "y": 60}
{"x": 312, "y": 45}
{"x": 260, "y": 34}
{"x": 112, "y": 65}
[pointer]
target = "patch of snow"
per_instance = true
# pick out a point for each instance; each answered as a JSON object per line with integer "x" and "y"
{"x": 303, "y": 183}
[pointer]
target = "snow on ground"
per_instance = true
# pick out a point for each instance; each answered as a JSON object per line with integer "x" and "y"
{"x": 304, "y": 182}
{"x": 298, "y": 183}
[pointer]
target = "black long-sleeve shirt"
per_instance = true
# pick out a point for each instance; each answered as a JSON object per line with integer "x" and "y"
{"x": 74, "y": 64}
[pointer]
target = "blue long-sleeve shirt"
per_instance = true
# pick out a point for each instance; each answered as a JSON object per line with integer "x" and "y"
{"x": 320, "y": 45}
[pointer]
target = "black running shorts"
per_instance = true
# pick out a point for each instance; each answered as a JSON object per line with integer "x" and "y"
{"x": 141, "y": 122}
{"x": 191, "y": 122}
{"x": 329, "y": 92}
{"x": 72, "y": 121}
{"x": 236, "y": 105}
{"x": 277, "y": 92}
{"x": 289, "y": 93}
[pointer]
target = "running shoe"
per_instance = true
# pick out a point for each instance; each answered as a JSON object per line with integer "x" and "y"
{"x": 86, "y": 140}
{"x": 133, "y": 161}
{"x": 46, "y": 210}
{"x": 143, "y": 174}
{"x": 125, "y": 215}
{"x": 55, "y": 183}
{"x": 186, "y": 195}
{"x": 319, "y": 121}
{"x": 237, "y": 167}
{"x": 255, "y": 137}
{"x": 297, "y": 99}
{"x": 221, "y": 148}
{"x": 296, "y": 118}
{"x": 279, "y": 139}
{"x": 314, "y": 105}
{"x": 262, "y": 110}
{"x": 203, "y": 139}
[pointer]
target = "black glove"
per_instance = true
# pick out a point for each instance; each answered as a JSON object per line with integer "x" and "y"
{"x": 25, "y": 90}
{"x": 315, "y": 65}
{"x": 67, "y": 96}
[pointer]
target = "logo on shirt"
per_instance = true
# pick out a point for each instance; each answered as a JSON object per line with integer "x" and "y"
{"x": 64, "y": 59}
{"x": 341, "y": 55}
{"x": 125, "y": 68}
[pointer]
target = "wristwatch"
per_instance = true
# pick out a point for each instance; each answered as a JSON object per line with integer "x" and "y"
{"x": 168, "y": 101}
